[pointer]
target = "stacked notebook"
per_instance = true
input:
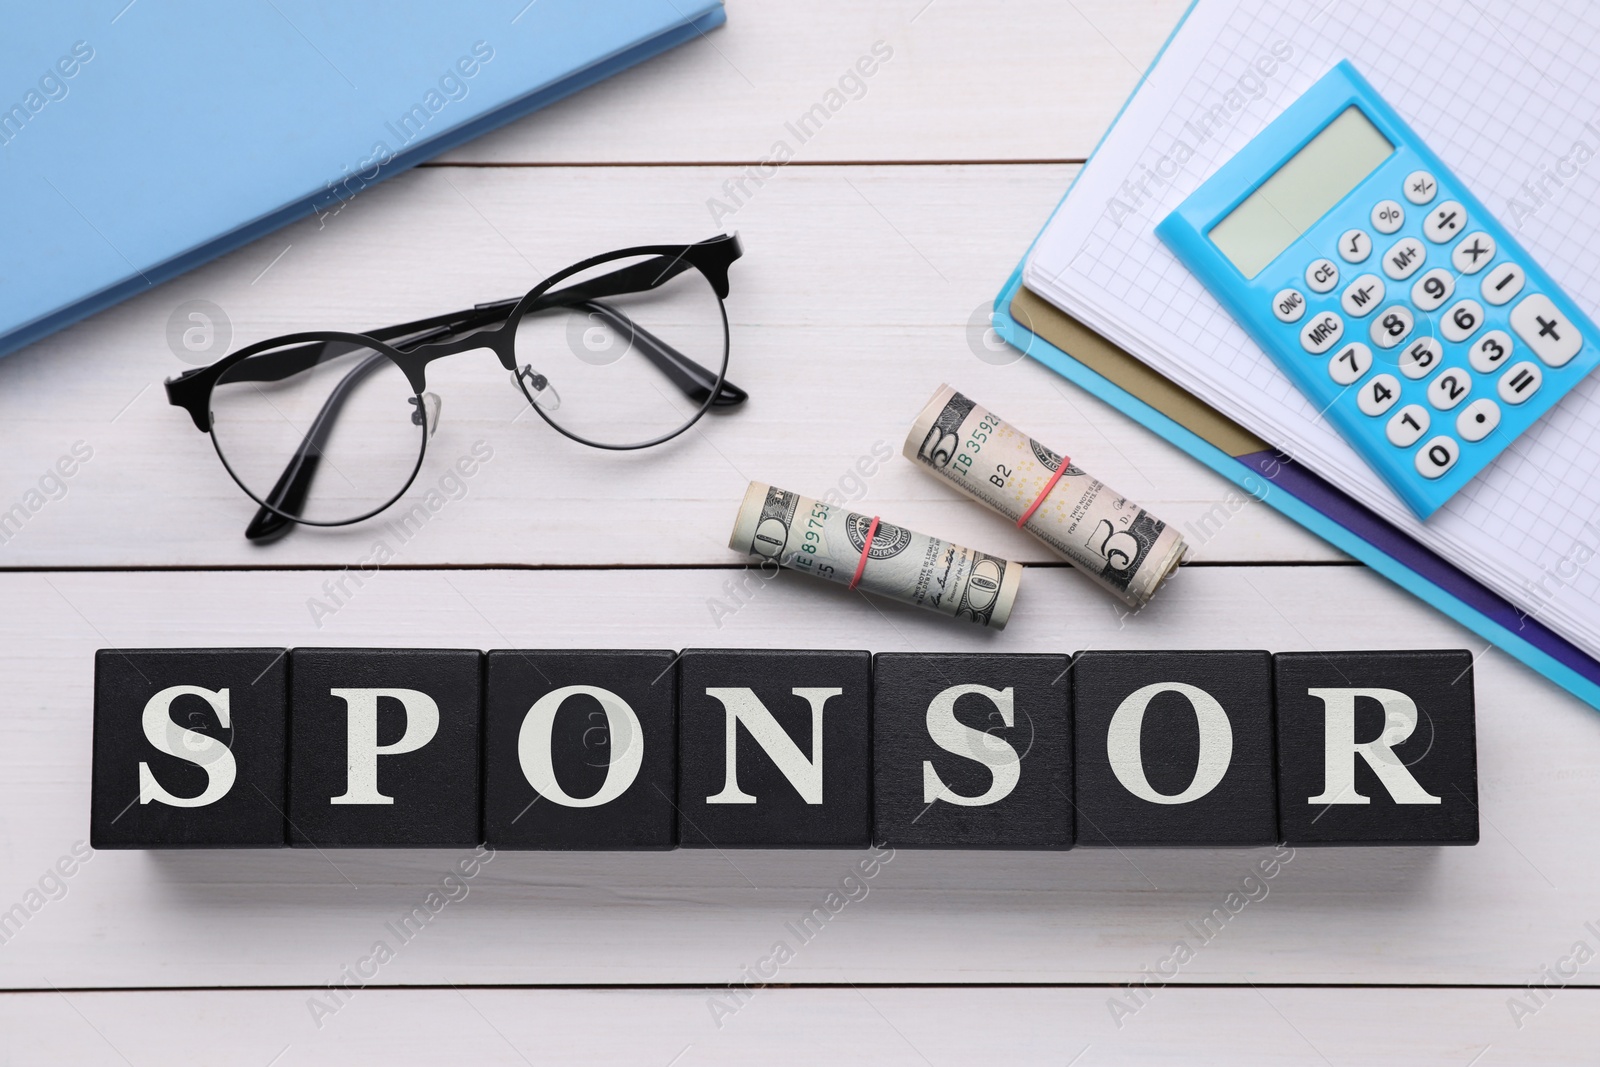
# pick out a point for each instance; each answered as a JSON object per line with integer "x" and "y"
{"x": 1503, "y": 94}
{"x": 138, "y": 140}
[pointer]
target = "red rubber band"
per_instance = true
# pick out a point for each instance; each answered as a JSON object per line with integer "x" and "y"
{"x": 1051, "y": 484}
{"x": 861, "y": 565}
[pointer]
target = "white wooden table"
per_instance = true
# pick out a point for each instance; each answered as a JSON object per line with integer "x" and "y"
{"x": 867, "y": 258}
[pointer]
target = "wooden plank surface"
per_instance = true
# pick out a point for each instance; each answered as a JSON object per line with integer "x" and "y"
{"x": 984, "y": 80}
{"x": 891, "y": 1027}
{"x": 1495, "y": 913}
{"x": 856, "y": 298}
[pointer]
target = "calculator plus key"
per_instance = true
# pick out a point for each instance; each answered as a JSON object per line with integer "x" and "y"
{"x": 1388, "y": 216}
{"x": 1322, "y": 275}
{"x": 1355, "y": 246}
{"x": 1478, "y": 419}
{"x": 1520, "y": 381}
{"x": 1421, "y": 187}
{"x": 1433, "y": 289}
{"x": 1378, "y": 395}
{"x": 1353, "y": 361}
{"x": 1404, "y": 258}
{"x": 1444, "y": 222}
{"x": 1489, "y": 352}
{"x": 1407, "y": 425}
{"x": 1449, "y": 389}
{"x": 1546, "y": 331}
{"x": 1473, "y": 253}
{"x": 1461, "y": 321}
{"x": 1392, "y": 326}
{"x": 1362, "y": 296}
{"x": 1421, "y": 358}
{"x": 1437, "y": 456}
{"x": 1289, "y": 305}
{"x": 1321, "y": 333}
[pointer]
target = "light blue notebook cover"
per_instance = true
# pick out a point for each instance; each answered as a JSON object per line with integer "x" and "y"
{"x": 1278, "y": 481}
{"x": 138, "y": 140}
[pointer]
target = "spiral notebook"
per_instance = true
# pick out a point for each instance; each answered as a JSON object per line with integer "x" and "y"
{"x": 1504, "y": 93}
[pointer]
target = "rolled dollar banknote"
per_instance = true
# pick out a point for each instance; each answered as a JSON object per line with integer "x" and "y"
{"x": 1120, "y": 545}
{"x": 862, "y": 552}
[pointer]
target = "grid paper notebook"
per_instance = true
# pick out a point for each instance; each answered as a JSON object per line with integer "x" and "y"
{"x": 1509, "y": 98}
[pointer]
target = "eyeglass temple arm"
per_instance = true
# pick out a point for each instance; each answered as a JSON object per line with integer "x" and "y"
{"x": 294, "y": 484}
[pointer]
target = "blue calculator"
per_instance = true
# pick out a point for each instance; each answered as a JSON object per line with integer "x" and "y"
{"x": 1384, "y": 289}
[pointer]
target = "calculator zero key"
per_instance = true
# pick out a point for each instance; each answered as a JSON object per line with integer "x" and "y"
{"x": 1416, "y": 325}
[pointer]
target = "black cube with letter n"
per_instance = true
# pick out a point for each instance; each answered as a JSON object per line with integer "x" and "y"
{"x": 773, "y": 749}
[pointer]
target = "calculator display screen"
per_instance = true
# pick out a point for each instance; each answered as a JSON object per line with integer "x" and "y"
{"x": 1301, "y": 191}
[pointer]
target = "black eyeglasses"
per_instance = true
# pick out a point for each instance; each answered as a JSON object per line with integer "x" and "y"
{"x": 622, "y": 351}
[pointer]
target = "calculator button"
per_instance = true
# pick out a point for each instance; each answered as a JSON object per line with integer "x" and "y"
{"x": 1473, "y": 253}
{"x": 1545, "y": 330}
{"x": 1289, "y": 305}
{"x": 1388, "y": 216}
{"x": 1322, "y": 275}
{"x": 1449, "y": 388}
{"x": 1437, "y": 456}
{"x": 1520, "y": 382}
{"x": 1478, "y": 419}
{"x": 1321, "y": 333}
{"x": 1444, "y": 222}
{"x": 1404, "y": 258}
{"x": 1420, "y": 187}
{"x": 1407, "y": 425}
{"x": 1421, "y": 358}
{"x": 1362, "y": 296}
{"x": 1462, "y": 320}
{"x": 1378, "y": 395}
{"x": 1355, "y": 245}
{"x": 1350, "y": 364}
{"x": 1433, "y": 289}
{"x": 1489, "y": 352}
{"x": 1392, "y": 326}
{"x": 1503, "y": 282}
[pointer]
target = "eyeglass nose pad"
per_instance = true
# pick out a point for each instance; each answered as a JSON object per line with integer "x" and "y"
{"x": 537, "y": 388}
{"x": 426, "y": 411}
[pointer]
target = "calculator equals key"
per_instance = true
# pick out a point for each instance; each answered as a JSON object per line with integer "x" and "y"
{"x": 1445, "y": 345}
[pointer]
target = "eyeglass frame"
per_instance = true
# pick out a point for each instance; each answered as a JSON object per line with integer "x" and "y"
{"x": 492, "y": 326}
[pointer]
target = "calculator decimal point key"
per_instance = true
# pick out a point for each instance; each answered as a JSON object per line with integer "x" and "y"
{"x": 1289, "y": 305}
{"x": 1449, "y": 388}
{"x": 1392, "y": 326}
{"x": 1478, "y": 419}
{"x": 1462, "y": 320}
{"x": 1362, "y": 296}
{"x": 1321, "y": 333}
{"x": 1388, "y": 216}
{"x": 1407, "y": 425}
{"x": 1503, "y": 283}
{"x": 1437, "y": 456}
{"x": 1520, "y": 381}
{"x": 1404, "y": 258}
{"x": 1322, "y": 275}
{"x": 1444, "y": 222}
{"x": 1421, "y": 187}
{"x": 1353, "y": 361}
{"x": 1378, "y": 395}
{"x": 1354, "y": 246}
{"x": 1473, "y": 253}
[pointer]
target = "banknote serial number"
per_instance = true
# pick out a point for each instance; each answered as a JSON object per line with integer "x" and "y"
{"x": 811, "y": 539}
{"x": 980, "y": 434}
